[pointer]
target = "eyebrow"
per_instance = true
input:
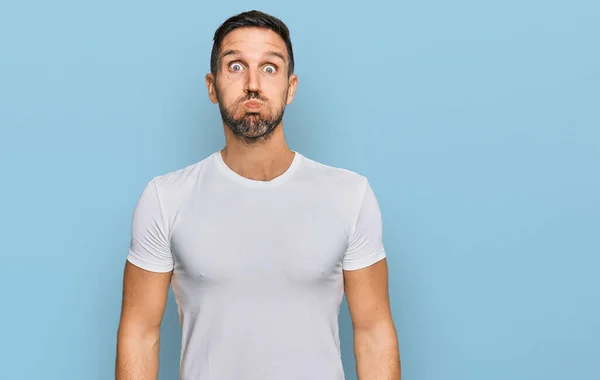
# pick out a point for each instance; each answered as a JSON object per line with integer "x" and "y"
{"x": 229, "y": 52}
{"x": 268, "y": 53}
{"x": 277, "y": 54}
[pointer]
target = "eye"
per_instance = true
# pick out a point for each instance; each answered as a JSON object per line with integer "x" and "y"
{"x": 235, "y": 66}
{"x": 270, "y": 69}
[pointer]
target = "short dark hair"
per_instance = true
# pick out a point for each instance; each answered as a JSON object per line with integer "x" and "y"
{"x": 250, "y": 19}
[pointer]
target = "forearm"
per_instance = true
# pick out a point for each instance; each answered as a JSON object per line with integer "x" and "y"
{"x": 377, "y": 354}
{"x": 137, "y": 356}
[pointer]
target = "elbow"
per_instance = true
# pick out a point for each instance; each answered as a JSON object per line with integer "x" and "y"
{"x": 376, "y": 351}
{"x": 382, "y": 326}
{"x": 130, "y": 334}
{"x": 377, "y": 335}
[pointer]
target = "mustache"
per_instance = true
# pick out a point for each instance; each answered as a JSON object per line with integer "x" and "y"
{"x": 252, "y": 95}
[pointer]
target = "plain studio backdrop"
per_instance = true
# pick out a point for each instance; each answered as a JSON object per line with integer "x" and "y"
{"x": 477, "y": 123}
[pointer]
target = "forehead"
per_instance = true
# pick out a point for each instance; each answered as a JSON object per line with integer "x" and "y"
{"x": 253, "y": 41}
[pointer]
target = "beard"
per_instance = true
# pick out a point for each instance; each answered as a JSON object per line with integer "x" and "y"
{"x": 251, "y": 127}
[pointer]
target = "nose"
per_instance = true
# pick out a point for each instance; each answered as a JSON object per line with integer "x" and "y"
{"x": 252, "y": 81}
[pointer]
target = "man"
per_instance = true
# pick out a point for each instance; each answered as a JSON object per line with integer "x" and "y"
{"x": 258, "y": 241}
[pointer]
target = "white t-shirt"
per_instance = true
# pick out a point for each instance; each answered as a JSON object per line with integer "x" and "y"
{"x": 257, "y": 265}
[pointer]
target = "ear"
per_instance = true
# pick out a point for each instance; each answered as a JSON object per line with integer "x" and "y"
{"x": 292, "y": 85}
{"x": 212, "y": 91}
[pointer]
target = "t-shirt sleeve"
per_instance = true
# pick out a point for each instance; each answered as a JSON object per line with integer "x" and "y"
{"x": 365, "y": 246}
{"x": 149, "y": 247}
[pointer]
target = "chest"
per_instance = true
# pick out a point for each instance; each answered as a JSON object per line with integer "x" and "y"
{"x": 265, "y": 240}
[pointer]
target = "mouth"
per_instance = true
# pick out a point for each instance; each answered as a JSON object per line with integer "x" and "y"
{"x": 253, "y": 104}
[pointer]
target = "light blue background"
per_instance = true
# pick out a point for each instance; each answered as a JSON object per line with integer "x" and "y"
{"x": 477, "y": 123}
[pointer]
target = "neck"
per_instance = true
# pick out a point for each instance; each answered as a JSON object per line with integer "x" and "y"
{"x": 261, "y": 161}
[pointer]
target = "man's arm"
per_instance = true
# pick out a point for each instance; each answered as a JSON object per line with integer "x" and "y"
{"x": 144, "y": 299}
{"x": 375, "y": 340}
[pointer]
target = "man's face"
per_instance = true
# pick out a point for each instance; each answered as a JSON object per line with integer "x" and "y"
{"x": 252, "y": 86}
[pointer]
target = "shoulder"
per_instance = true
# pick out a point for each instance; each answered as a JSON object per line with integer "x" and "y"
{"x": 174, "y": 187}
{"x": 180, "y": 179}
{"x": 341, "y": 181}
{"x": 342, "y": 189}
